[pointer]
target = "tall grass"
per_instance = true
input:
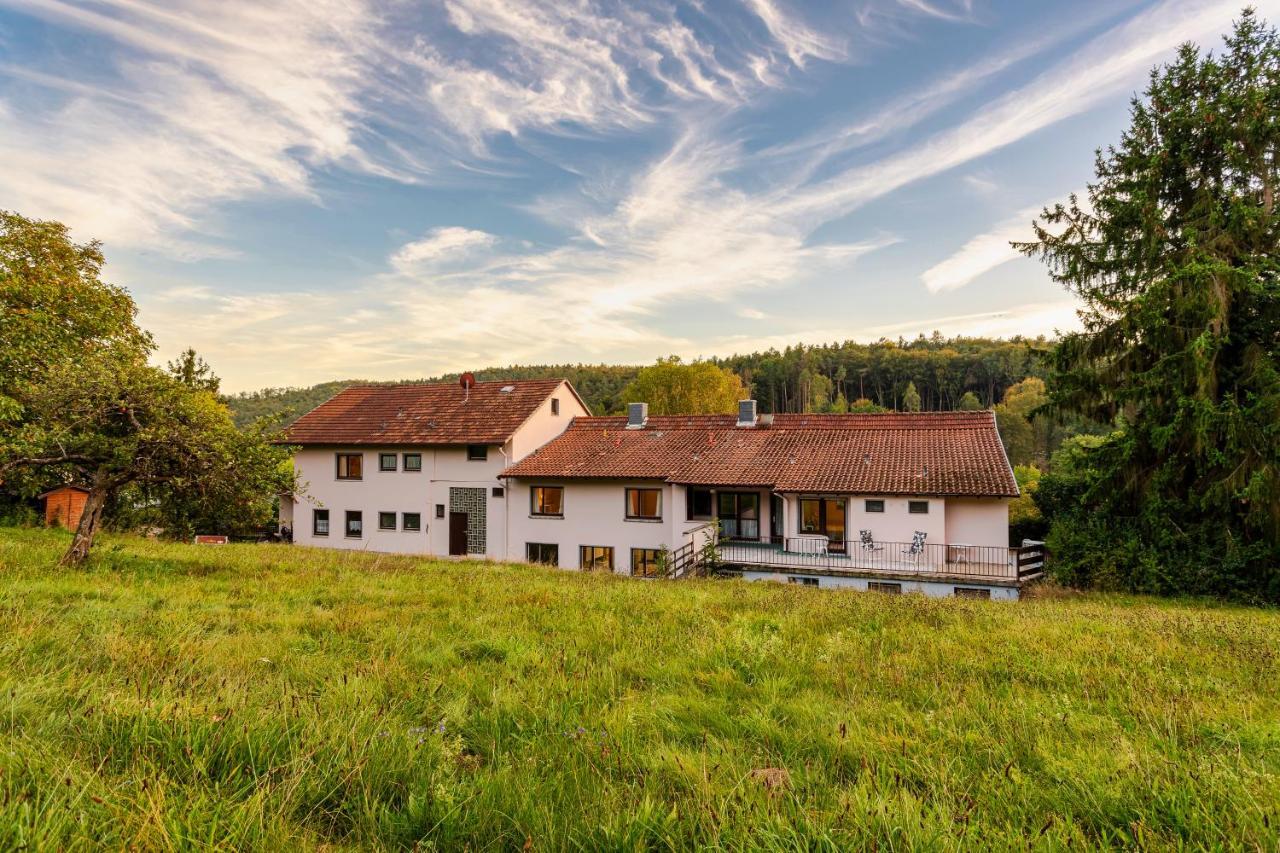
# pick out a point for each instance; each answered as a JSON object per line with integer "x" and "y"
{"x": 173, "y": 696}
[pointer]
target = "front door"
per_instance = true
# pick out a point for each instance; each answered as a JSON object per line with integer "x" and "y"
{"x": 457, "y": 534}
{"x": 775, "y": 519}
{"x": 825, "y": 516}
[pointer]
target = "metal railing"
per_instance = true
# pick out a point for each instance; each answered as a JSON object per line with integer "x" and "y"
{"x": 987, "y": 561}
{"x": 697, "y": 556}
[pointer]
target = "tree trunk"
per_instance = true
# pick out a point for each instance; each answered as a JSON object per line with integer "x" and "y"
{"x": 89, "y": 520}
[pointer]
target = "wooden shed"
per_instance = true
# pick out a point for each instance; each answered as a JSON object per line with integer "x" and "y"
{"x": 63, "y": 506}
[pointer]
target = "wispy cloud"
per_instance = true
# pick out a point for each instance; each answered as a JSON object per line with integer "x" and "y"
{"x": 439, "y": 244}
{"x": 981, "y": 254}
{"x": 1109, "y": 65}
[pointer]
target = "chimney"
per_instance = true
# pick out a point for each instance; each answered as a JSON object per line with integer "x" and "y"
{"x": 746, "y": 413}
{"x": 637, "y": 415}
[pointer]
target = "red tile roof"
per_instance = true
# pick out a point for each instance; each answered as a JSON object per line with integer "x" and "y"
{"x": 407, "y": 415}
{"x": 919, "y": 453}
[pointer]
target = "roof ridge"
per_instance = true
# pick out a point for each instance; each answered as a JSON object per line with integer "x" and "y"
{"x": 392, "y": 383}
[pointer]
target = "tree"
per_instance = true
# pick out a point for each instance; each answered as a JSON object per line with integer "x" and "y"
{"x": 1025, "y": 430}
{"x": 864, "y": 406}
{"x": 192, "y": 370}
{"x": 113, "y": 423}
{"x": 911, "y": 398}
{"x": 81, "y": 404}
{"x": 671, "y": 387}
{"x": 1176, "y": 257}
{"x": 969, "y": 402}
{"x": 54, "y": 306}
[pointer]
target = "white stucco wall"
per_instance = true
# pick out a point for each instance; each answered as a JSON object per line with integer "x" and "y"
{"x": 896, "y": 523}
{"x": 396, "y": 491}
{"x": 403, "y": 491}
{"x": 978, "y": 521}
{"x": 933, "y": 589}
{"x": 594, "y": 514}
{"x": 542, "y": 425}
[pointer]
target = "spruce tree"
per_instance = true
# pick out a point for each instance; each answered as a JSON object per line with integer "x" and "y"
{"x": 1175, "y": 256}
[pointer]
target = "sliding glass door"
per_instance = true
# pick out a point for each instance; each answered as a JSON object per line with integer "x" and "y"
{"x": 739, "y": 514}
{"x": 825, "y": 516}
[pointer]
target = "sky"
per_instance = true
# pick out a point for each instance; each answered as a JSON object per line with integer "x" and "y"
{"x": 308, "y": 190}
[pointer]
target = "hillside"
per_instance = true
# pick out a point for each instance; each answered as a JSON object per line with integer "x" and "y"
{"x": 257, "y": 697}
{"x": 796, "y": 379}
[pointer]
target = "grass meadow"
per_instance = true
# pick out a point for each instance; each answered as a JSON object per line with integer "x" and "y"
{"x": 173, "y": 696}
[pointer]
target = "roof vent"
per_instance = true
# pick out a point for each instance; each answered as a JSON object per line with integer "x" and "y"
{"x": 637, "y": 415}
{"x": 507, "y": 389}
{"x": 766, "y": 420}
{"x": 746, "y": 413}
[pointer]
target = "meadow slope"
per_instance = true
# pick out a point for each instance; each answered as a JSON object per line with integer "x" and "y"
{"x": 172, "y": 696}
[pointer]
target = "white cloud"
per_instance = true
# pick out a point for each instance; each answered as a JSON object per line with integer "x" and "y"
{"x": 798, "y": 41}
{"x": 1028, "y": 320}
{"x": 1105, "y": 68}
{"x": 981, "y": 254}
{"x": 439, "y": 244}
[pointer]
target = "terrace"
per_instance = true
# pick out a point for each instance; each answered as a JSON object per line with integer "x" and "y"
{"x": 940, "y": 561}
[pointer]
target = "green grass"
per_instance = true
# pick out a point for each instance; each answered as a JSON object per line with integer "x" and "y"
{"x": 173, "y": 696}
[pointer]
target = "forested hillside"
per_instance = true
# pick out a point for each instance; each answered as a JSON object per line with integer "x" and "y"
{"x": 796, "y": 379}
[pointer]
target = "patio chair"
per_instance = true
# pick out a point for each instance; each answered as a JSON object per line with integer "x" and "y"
{"x": 868, "y": 543}
{"x": 916, "y": 548}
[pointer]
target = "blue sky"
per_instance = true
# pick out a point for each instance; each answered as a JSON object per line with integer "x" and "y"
{"x": 307, "y": 190}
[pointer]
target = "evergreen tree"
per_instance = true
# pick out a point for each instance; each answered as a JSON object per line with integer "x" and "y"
{"x": 194, "y": 372}
{"x": 1176, "y": 257}
{"x": 911, "y": 398}
{"x": 969, "y": 402}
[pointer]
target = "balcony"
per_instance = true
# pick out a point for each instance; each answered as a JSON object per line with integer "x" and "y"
{"x": 942, "y": 561}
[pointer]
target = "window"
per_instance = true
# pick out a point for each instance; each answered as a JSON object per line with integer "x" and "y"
{"x": 595, "y": 558}
{"x": 701, "y": 504}
{"x": 542, "y": 552}
{"x": 355, "y": 523}
{"x": 386, "y": 462}
{"x": 971, "y": 592}
{"x": 555, "y": 405}
{"x": 320, "y": 522}
{"x": 411, "y": 521}
{"x": 439, "y": 510}
{"x": 918, "y": 507}
{"x": 875, "y": 506}
{"x": 498, "y": 491}
{"x": 803, "y": 581}
{"x": 477, "y": 452}
{"x": 413, "y": 462}
{"x": 644, "y": 504}
{"x": 546, "y": 500}
{"x": 386, "y": 521}
{"x": 350, "y": 466}
{"x": 646, "y": 562}
{"x": 886, "y": 588}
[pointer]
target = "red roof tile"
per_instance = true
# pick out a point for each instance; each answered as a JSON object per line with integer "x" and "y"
{"x": 919, "y": 453}
{"x": 407, "y": 415}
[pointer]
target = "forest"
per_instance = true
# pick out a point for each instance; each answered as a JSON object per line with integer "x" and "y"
{"x": 801, "y": 378}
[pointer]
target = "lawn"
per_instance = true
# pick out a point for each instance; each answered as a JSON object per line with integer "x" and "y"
{"x": 261, "y": 696}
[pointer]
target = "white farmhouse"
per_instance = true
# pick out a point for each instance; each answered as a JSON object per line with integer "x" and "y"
{"x": 894, "y": 502}
{"x": 414, "y": 468}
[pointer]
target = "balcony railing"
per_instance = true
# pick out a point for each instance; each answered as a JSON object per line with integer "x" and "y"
{"x": 806, "y": 552}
